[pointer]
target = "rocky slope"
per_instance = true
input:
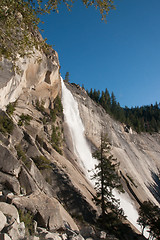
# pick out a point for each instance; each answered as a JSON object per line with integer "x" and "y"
{"x": 39, "y": 180}
{"x": 43, "y": 191}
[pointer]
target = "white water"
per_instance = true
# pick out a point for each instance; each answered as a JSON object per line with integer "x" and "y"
{"x": 83, "y": 151}
{"x": 72, "y": 117}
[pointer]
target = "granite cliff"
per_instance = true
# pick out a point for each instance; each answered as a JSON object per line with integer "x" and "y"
{"x": 138, "y": 154}
{"x": 44, "y": 191}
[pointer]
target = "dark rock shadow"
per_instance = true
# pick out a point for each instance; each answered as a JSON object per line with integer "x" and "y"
{"x": 155, "y": 186}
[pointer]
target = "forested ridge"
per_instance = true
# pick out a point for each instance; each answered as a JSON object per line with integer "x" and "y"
{"x": 141, "y": 119}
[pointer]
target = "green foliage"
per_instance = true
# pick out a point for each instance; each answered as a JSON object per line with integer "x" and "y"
{"x": 56, "y": 139}
{"x": 6, "y": 124}
{"x": 57, "y": 110}
{"x": 42, "y": 162}
{"x": 24, "y": 119}
{"x": 107, "y": 179}
{"x": 141, "y": 119}
{"x": 22, "y": 156}
{"x": 27, "y": 216}
{"x": 40, "y": 106}
{"x": 10, "y": 108}
{"x": 149, "y": 216}
{"x": 19, "y": 21}
{"x": 20, "y": 153}
{"x": 19, "y": 29}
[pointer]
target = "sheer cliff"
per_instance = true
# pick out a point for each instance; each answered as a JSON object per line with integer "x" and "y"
{"x": 43, "y": 185}
{"x": 138, "y": 154}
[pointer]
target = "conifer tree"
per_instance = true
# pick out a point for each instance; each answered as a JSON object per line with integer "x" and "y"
{"x": 66, "y": 77}
{"x": 106, "y": 179}
{"x": 149, "y": 216}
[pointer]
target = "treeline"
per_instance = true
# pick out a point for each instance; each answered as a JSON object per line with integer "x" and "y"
{"x": 141, "y": 119}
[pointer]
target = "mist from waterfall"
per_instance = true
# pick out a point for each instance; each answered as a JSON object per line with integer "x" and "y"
{"x": 83, "y": 151}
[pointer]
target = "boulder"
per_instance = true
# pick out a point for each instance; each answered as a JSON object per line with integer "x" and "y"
{"x": 16, "y": 136}
{"x": 21, "y": 229}
{"x": 4, "y": 140}
{"x": 40, "y": 181}
{"x": 8, "y": 163}
{"x": 48, "y": 212}
{"x": 26, "y": 181}
{"x": 3, "y": 221}
{"x": 31, "y": 180}
{"x": 64, "y": 236}
{"x": 17, "y": 231}
{"x": 52, "y": 236}
{"x": 10, "y": 183}
{"x": 9, "y": 210}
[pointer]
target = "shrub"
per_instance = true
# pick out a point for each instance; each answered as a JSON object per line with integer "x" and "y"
{"x": 40, "y": 106}
{"x": 53, "y": 115}
{"x": 24, "y": 119}
{"x": 58, "y": 105}
{"x": 56, "y": 139}
{"x": 10, "y": 108}
{"x": 22, "y": 156}
{"x": 58, "y": 109}
{"x": 6, "y": 124}
{"x": 42, "y": 162}
{"x": 27, "y": 217}
{"x": 20, "y": 153}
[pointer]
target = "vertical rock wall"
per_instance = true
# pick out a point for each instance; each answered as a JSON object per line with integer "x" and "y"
{"x": 38, "y": 72}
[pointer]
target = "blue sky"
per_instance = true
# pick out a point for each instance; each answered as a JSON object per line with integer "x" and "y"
{"x": 122, "y": 55}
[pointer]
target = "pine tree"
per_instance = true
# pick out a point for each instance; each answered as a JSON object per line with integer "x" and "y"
{"x": 149, "y": 216}
{"x": 67, "y": 77}
{"x": 106, "y": 179}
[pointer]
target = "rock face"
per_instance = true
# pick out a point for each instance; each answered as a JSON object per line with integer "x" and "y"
{"x": 8, "y": 163}
{"x": 3, "y": 220}
{"x": 40, "y": 72}
{"x": 9, "y": 210}
{"x": 138, "y": 154}
{"x": 43, "y": 191}
{"x": 38, "y": 184}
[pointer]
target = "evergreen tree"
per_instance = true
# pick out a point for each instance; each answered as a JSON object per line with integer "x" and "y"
{"x": 107, "y": 179}
{"x": 141, "y": 119}
{"x": 149, "y": 216}
{"x": 66, "y": 77}
{"x": 113, "y": 104}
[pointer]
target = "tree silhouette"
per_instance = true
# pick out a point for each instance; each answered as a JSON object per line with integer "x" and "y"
{"x": 66, "y": 77}
{"x": 149, "y": 216}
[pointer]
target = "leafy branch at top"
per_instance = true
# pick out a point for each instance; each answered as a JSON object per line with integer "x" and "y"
{"x": 19, "y": 19}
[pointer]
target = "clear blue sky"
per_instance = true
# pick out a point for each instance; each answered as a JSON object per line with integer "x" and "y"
{"x": 122, "y": 55}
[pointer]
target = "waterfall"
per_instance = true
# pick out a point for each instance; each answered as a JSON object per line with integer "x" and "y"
{"x": 83, "y": 152}
{"x": 81, "y": 147}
